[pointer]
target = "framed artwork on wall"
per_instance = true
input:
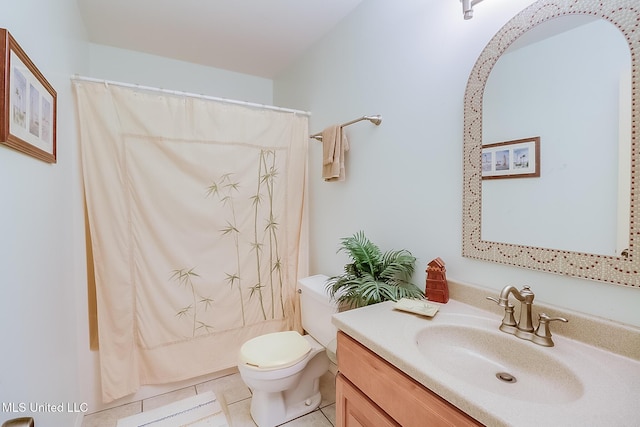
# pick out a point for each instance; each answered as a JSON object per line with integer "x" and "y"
{"x": 519, "y": 158}
{"x": 28, "y": 103}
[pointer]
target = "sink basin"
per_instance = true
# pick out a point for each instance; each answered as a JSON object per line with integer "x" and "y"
{"x": 497, "y": 362}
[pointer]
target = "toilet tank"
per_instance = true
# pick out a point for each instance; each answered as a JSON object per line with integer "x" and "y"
{"x": 316, "y": 308}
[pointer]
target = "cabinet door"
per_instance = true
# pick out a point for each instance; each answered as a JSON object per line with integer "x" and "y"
{"x": 354, "y": 409}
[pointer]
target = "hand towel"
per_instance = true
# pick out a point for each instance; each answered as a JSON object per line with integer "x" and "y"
{"x": 334, "y": 147}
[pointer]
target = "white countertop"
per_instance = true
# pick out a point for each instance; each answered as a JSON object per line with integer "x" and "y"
{"x": 609, "y": 394}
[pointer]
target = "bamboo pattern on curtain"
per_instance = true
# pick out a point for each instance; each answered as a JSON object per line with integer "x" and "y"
{"x": 195, "y": 211}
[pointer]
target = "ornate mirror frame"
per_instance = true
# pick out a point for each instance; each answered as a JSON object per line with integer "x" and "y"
{"x": 625, "y": 15}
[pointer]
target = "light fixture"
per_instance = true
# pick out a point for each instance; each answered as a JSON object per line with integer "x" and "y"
{"x": 467, "y": 7}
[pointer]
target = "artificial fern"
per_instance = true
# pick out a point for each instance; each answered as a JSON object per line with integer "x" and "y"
{"x": 373, "y": 276}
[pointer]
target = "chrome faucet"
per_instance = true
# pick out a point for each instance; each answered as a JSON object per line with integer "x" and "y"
{"x": 524, "y": 327}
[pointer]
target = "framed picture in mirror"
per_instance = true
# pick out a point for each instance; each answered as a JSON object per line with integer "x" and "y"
{"x": 519, "y": 158}
{"x": 28, "y": 103}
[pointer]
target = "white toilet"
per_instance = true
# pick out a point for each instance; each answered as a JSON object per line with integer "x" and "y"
{"x": 283, "y": 369}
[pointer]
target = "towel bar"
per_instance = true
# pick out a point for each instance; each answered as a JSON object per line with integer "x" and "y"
{"x": 376, "y": 120}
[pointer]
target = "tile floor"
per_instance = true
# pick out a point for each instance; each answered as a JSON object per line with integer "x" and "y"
{"x": 235, "y": 398}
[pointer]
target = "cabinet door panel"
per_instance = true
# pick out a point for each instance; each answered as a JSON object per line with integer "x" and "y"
{"x": 354, "y": 409}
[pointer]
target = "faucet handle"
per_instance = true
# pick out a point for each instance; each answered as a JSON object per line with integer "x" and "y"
{"x": 544, "y": 319}
{"x": 543, "y": 332}
{"x": 500, "y": 302}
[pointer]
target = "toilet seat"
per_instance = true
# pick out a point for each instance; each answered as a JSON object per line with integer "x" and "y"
{"x": 274, "y": 351}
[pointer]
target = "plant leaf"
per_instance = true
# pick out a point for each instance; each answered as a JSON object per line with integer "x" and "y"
{"x": 364, "y": 254}
{"x": 373, "y": 277}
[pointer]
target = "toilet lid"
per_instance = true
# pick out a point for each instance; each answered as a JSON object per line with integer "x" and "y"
{"x": 275, "y": 350}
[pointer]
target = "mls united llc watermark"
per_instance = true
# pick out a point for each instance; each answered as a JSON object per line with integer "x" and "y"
{"x": 35, "y": 407}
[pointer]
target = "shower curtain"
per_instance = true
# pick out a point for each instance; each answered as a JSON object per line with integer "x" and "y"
{"x": 195, "y": 215}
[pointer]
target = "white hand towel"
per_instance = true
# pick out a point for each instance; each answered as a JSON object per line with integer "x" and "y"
{"x": 334, "y": 147}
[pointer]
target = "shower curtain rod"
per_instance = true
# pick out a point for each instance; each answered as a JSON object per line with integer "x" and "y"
{"x": 376, "y": 120}
{"x": 191, "y": 95}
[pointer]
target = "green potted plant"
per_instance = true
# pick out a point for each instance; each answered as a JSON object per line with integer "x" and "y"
{"x": 372, "y": 276}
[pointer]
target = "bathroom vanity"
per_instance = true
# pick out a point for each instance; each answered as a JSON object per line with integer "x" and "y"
{"x": 363, "y": 396}
{"x": 401, "y": 369}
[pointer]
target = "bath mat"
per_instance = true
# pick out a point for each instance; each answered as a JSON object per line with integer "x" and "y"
{"x": 202, "y": 410}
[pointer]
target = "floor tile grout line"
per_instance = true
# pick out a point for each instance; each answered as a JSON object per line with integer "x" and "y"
{"x": 325, "y": 415}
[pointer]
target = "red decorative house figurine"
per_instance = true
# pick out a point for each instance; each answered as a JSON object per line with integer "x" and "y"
{"x": 437, "y": 289}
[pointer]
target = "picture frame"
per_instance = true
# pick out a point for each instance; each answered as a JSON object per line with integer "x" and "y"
{"x": 28, "y": 103}
{"x": 519, "y": 158}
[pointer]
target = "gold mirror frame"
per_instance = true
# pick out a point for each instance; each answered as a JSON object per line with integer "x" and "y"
{"x": 625, "y": 15}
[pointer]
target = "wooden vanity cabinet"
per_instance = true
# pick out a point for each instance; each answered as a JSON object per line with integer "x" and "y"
{"x": 370, "y": 392}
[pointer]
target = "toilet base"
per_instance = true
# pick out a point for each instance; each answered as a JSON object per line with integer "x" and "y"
{"x": 272, "y": 409}
{"x": 274, "y": 416}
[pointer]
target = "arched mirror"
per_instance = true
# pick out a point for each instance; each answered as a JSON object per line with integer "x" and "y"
{"x": 550, "y": 152}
